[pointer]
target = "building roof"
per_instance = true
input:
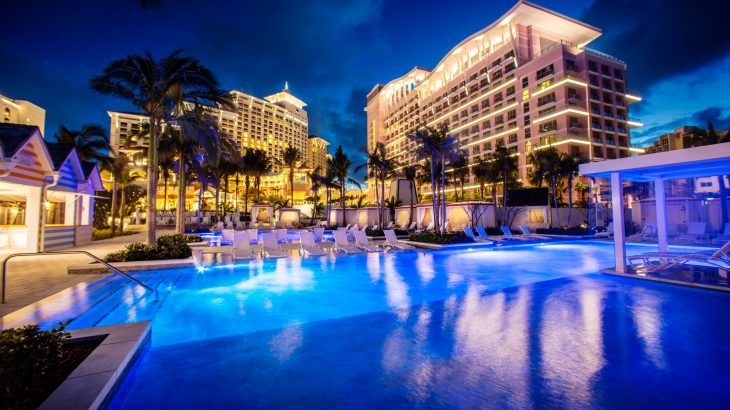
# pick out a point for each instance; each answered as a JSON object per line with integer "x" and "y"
{"x": 58, "y": 153}
{"x": 13, "y": 136}
{"x": 705, "y": 161}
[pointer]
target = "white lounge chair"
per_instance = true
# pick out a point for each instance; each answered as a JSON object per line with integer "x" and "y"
{"x": 389, "y": 226}
{"x": 260, "y": 225}
{"x": 655, "y": 261}
{"x": 412, "y": 227}
{"x": 470, "y": 234}
{"x": 696, "y": 231}
{"x": 361, "y": 240}
{"x": 482, "y": 233}
{"x": 527, "y": 233}
{"x": 271, "y": 246}
{"x": 240, "y": 225}
{"x": 308, "y": 245}
{"x": 392, "y": 241}
{"x": 253, "y": 235}
{"x": 342, "y": 243}
{"x": 318, "y": 234}
{"x": 607, "y": 233}
{"x": 507, "y": 234}
{"x": 227, "y": 236}
{"x": 217, "y": 227}
{"x": 428, "y": 228}
{"x": 281, "y": 235}
{"x": 242, "y": 246}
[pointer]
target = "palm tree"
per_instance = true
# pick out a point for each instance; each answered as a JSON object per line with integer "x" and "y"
{"x": 122, "y": 176}
{"x": 436, "y": 145}
{"x": 484, "y": 171}
{"x": 329, "y": 181}
{"x": 409, "y": 173}
{"x": 260, "y": 165}
{"x": 507, "y": 164}
{"x": 460, "y": 165}
{"x": 158, "y": 88}
{"x": 291, "y": 157}
{"x": 341, "y": 164}
{"x": 91, "y": 143}
{"x": 569, "y": 169}
{"x": 710, "y": 137}
{"x": 546, "y": 164}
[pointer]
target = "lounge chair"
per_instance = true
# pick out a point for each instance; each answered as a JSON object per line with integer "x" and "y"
{"x": 428, "y": 228}
{"x": 527, "y": 233}
{"x": 392, "y": 241}
{"x": 389, "y": 226}
{"x": 217, "y": 227}
{"x": 281, "y": 235}
{"x": 227, "y": 236}
{"x": 308, "y": 245}
{"x": 271, "y": 246}
{"x": 343, "y": 244}
{"x": 470, "y": 234}
{"x": 361, "y": 240}
{"x": 253, "y": 235}
{"x": 507, "y": 234}
{"x": 412, "y": 227}
{"x": 607, "y": 233}
{"x": 656, "y": 261}
{"x": 260, "y": 225}
{"x": 242, "y": 246}
{"x": 696, "y": 231}
{"x": 482, "y": 233}
{"x": 318, "y": 234}
{"x": 240, "y": 225}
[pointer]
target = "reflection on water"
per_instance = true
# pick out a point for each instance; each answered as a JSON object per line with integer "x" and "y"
{"x": 285, "y": 342}
{"x": 646, "y": 310}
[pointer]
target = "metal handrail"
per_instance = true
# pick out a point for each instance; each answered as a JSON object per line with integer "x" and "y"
{"x": 126, "y": 275}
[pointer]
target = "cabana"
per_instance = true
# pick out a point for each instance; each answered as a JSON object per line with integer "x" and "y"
{"x": 262, "y": 213}
{"x": 290, "y": 215}
{"x": 710, "y": 160}
{"x": 46, "y": 193}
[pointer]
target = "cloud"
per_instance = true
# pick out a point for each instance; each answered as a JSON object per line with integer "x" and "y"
{"x": 661, "y": 38}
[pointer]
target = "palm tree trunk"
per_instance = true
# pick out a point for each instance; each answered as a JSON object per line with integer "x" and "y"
{"x": 180, "y": 219}
{"x": 377, "y": 201}
{"x": 235, "y": 198}
{"x": 200, "y": 203}
{"x": 410, "y": 193}
{"x": 504, "y": 190}
{"x": 570, "y": 197}
{"x": 723, "y": 202}
{"x": 121, "y": 211}
{"x": 382, "y": 190}
{"x": 164, "y": 203}
{"x": 342, "y": 203}
{"x": 152, "y": 180}
{"x": 434, "y": 195}
{"x": 247, "y": 183}
{"x": 553, "y": 184}
{"x": 291, "y": 184}
{"x": 443, "y": 194}
{"x": 114, "y": 206}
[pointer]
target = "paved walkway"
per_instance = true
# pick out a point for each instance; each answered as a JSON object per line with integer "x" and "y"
{"x": 32, "y": 278}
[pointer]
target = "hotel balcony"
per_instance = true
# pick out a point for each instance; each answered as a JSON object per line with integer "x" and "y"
{"x": 634, "y": 123}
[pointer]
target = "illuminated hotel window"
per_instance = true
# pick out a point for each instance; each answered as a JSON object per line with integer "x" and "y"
{"x": 6, "y": 115}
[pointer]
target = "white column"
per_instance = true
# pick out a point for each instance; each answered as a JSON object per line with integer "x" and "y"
{"x": 617, "y": 205}
{"x": 34, "y": 208}
{"x": 661, "y": 214}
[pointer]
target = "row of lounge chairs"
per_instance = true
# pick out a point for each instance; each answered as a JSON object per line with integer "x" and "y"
{"x": 274, "y": 244}
{"x": 507, "y": 235}
{"x": 696, "y": 233}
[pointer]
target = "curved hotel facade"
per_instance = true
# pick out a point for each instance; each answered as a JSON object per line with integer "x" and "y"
{"x": 527, "y": 80}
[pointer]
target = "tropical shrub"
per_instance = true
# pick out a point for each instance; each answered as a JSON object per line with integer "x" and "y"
{"x": 165, "y": 247}
{"x": 31, "y": 364}
{"x": 445, "y": 239}
{"x": 99, "y": 234}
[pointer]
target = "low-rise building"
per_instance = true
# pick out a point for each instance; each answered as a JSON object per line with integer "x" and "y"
{"x": 22, "y": 112}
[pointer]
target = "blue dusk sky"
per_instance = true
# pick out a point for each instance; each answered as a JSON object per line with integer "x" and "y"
{"x": 332, "y": 52}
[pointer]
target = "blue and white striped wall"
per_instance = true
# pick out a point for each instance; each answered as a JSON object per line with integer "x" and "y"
{"x": 58, "y": 237}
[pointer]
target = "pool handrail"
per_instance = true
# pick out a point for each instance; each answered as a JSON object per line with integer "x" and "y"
{"x": 13, "y": 255}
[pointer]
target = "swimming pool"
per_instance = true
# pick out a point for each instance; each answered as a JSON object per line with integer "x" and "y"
{"x": 526, "y": 326}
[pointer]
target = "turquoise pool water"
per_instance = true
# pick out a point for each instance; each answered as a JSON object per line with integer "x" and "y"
{"x": 528, "y": 326}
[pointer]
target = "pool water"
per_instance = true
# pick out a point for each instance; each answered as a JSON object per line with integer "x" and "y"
{"x": 526, "y": 326}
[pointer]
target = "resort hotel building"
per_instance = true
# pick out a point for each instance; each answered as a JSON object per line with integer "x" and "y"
{"x": 528, "y": 80}
{"x": 270, "y": 124}
{"x": 22, "y": 112}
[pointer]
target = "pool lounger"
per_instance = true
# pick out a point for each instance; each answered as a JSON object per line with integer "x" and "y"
{"x": 470, "y": 234}
{"x": 271, "y": 246}
{"x": 309, "y": 246}
{"x": 342, "y": 243}
{"x": 242, "y": 246}
{"x": 392, "y": 241}
{"x": 527, "y": 233}
{"x": 665, "y": 260}
{"x": 361, "y": 240}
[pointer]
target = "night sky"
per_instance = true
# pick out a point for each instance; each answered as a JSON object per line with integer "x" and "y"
{"x": 332, "y": 52}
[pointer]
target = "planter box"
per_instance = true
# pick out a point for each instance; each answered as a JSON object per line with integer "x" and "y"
{"x": 93, "y": 383}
